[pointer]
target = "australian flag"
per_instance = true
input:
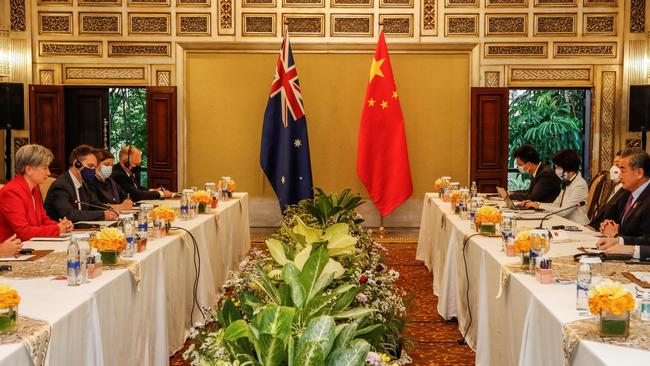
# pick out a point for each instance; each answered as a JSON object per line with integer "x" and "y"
{"x": 284, "y": 155}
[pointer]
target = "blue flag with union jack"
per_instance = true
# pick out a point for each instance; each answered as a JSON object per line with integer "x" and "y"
{"x": 284, "y": 155}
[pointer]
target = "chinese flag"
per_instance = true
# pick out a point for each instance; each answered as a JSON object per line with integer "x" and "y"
{"x": 382, "y": 156}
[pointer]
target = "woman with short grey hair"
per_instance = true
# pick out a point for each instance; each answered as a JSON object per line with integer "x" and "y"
{"x": 21, "y": 204}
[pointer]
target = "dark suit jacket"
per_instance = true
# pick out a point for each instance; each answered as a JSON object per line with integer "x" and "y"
{"x": 610, "y": 210}
{"x": 635, "y": 228}
{"x": 131, "y": 186}
{"x": 59, "y": 202}
{"x": 544, "y": 187}
{"x": 108, "y": 191}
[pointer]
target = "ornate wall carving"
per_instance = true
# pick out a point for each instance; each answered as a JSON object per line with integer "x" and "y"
{"x": 304, "y": 25}
{"x": 397, "y": 24}
{"x": 226, "y": 17}
{"x": 600, "y": 3}
{"x": 579, "y": 49}
{"x": 515, "y": 50}
{"x": 510, "y": 24}
{"x": 94, "y": 73}
{"x": 429, "y": 23}
{"x": 347, "y": 25}
{"x": 492, "y": 79}
{"x": 192, "y": 2}
{"x": 46, "y": 77}
{"x": 555, "y": 3}
{"x": 599, "y": 24}
{"x": 532, "y": 74}
{"x": 303, "y": 3}
{"x": 148, "y": 2}
{"x": 192, "y": 24}
{"x": 607, "y": 118}
{"x": 163, "y": 78}
{"x": 555, "y": 24}
{"x": 149, "y": 23}
{"x": 17, "y": 10}
{"x": 64, "y": 48}
{"x": 258, "y": 24}
{"x": 637, "y": 16}
{"x": 54, "y": 2}
{"x": 395, "y": 3}
{"x": 506, "y": 3}
{"x": 632, "y": 142}
{"x": 100, "y": 23}
{"x": 461, "y": 25}
{"x": 461, "y": 3}
{"x": 55, "y": 23}
{"x": 100, "y": 2}
{"x": 139, "y": 49}
{"x": 258, "y": 3}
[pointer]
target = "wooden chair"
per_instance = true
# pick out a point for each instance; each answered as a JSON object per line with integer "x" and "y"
{"x": 599, "y": 189}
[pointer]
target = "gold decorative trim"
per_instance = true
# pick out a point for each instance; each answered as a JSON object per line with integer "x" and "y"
{"x": 101, "y": 75}
{"x": 303, "y": 3}
{"x": 17, "y": 15}
{"x": 46, "y": 77}
{"x": 492, "y": 79}
{"x": 397, "y": 25}
{"x": 100, "y": 23}
{"x": 607, "y": 118}
{"x": 351, "y": 25}
{"x": 584, "y": 49}
{"x": 148, "y": 49}
{"x": 193, "y": 24}
{"x": 304, "y": 25}
{"x": 226, "y": 17}
{"x": 515, "y": 50}
{"x": 54, "y": 23}
{"x": 429, "y": 18}
{"x": 150, "y": 23}
{"x": 54, "y": 2}
{"x": 550, "y": 75}
{"x": 163, "y": 78}
{"x": 136, "y": 3}
{"x": 351, "y": 3}
{"x": 189, "y": 3}
{"x": 555, "y": 25}
{"x": 461, "y": 25}
{"x": 637, "y": 16}
{"x": 600, "y": 3}
{"x": 395, "y": 3}
{"x": 69, "y": 48}
{"x": 600, "y": 24}
{"x": 555, "y": 3}
{"x": 461, "y": 3}
{"x": 506, "y": 24}
{"x": 258, "y": 3}
{"x": 506, "y": 3}
{"x": 100, "y": 2}
{"x": 258, "y": 24}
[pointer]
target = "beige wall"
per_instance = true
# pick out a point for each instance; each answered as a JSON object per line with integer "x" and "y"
{"x": 226, "y": 94}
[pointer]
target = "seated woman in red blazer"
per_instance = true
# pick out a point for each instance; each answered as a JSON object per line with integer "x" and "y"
{"x": 21, "y": 205}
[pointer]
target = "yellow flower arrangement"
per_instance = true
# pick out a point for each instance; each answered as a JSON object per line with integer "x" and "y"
{"x": 202, "y": 197}
{"x": 8, "y": 296}
{"x": 610, "y": 296}
{"x": 231, "y": 185}
{"x": 488, "y": 214}
{"x": 163, "y": 213}
{"x": 454, "y": 197}
{"x": 522, "y": 242}
{"x": 437, "y": 186}
{"x": 109, "y": 239}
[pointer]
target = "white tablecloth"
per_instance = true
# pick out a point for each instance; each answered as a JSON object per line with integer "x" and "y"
{"x": 111, "y": 321}
{"x": 524, "y": 325}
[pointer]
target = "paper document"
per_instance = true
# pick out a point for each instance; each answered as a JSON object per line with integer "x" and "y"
{"x": 56, "y": 238}
{"x": 21, "y": 258}
{"x": 643, "y": 276}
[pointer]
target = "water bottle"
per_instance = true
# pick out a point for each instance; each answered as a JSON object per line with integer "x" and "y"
{"x": 83, "y": 242}
{"x": 508, "y": 223}
{"x": 473, "y": 190}
{"x": 73, "y": 262}
{"x": 645, "y": 306}
{"x": 589, "y": 274}
{"x": 126, "y": 223}
{"x": 185, "y": 204}
{"x": 143, "y": 219}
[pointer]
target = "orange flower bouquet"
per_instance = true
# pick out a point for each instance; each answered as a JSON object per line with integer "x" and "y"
{"x": 522, "y": 247}
{"x": 163, "y": 213}
{"x": 232, "y": 186}
{"x": 486, "y": 219}
{"x": 203, "y": 198}
{"x": 437, "y": 185}
{"x": 109, "y": 239}
{"x": 613, "y": 302}
{"x": 9, "y": 301}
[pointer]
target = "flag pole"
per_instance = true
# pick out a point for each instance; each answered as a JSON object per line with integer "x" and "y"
{"x": 382, "y": 229}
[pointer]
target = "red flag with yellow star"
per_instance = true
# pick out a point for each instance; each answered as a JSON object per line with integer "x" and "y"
{"x": 382, "y": 155}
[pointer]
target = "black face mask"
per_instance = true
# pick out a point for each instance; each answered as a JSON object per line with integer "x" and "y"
{"x": 135, "y": 169}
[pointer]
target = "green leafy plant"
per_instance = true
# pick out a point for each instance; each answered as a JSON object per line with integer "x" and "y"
{"x": 330, "y": 209}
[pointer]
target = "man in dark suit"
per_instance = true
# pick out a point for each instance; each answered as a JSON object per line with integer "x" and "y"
{"x": 545, "y": 184}
{"x": 70, "y": 196}
{"x": 607, "y": 200}
{"x": 629, "y": 234}
{"x": 124, "y": 174}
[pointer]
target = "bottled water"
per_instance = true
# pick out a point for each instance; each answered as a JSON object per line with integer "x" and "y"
{"x": 508, "y": 223}
{"x": 645, "y": 306}
{"x": 473, "y": 190}
{"x": 185, "y": 204}
{"x": 127, "y": 225}
{"x": 143, "y": 219}
{"x": 84, "y": 252}
{"x": 73, "y": 262}
{"x": 589, "y": 274}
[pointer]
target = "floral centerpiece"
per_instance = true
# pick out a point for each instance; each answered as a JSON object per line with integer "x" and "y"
{"x": 437, "y": 185}
{"x": 613, "y": 302}
{"x": 165, "y": 214}
{"x": 486, "y": 219}
{"x": 109, "y": 242}
{"x": 9, "y": 300}
{"x": 454, "y": 197}
{"x": 522, "y": 246}
{"x": 203, "y": 198}
{"x": 232, "y": 186}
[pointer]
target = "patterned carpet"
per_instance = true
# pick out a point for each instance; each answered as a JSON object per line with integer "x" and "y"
{"x": 436, "y": 340}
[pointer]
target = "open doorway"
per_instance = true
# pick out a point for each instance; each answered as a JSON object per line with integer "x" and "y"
{"x": 549, "y": 120}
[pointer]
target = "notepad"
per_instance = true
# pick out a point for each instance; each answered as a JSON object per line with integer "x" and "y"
{"x": 56, "y": 238}
{"x": 643, "y": 276}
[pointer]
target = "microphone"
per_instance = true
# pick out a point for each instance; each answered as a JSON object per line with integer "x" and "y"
{"x": 107, "y": 207}
{"x": 579, "y": 204}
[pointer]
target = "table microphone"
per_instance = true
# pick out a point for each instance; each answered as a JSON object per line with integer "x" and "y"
{"x": 107, "y": 207}
{"x": 579, "y": 204}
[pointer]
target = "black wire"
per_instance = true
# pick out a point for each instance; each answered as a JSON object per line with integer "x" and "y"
{"x": 469, "y": 308}
{"x": 197, "y": 269}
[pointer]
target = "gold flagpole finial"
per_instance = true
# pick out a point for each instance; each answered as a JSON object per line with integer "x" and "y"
{"x": 286, "y": 27}
{"x": 381, "y": 27}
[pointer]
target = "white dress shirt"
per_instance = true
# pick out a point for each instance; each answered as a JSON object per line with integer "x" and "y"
{"x": 77, "y": 185}
{"x": 575, "y": 192}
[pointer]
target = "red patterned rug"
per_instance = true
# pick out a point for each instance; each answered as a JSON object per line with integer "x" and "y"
{"x": 435, "y": 340}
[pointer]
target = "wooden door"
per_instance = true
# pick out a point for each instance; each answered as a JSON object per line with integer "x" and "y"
{"x": 86, "y": 110}
{"x": 47, "y": 122}
{"x": 489, "y": 154}
{"x": 161, "y": 137}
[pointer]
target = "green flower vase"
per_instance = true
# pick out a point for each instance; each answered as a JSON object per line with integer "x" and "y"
{"x": 8, "y": 319}
{"x": 109, "y": 257}
{"x": 202, "y": 207}
{"x": 612, "y": 325}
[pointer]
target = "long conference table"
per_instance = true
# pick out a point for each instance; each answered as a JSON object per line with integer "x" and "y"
{"x": 523, "y": 326}
{"x": 114, "y": 320}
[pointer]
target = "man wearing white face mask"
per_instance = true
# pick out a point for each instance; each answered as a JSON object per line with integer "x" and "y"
{"x": 105, "y": 188}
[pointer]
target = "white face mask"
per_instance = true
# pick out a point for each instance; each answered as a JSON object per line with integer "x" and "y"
{"x": 105, "y": 171}
{"x": 615, "y": 173}
{"x": 560, "y": 173}
{"x": 521, "y": 169}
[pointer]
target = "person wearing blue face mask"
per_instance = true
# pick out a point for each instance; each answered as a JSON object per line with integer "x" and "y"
{"x": 70, "y": 195}
{"x": 105, "y": 188}
{"x": 544, "y": 184}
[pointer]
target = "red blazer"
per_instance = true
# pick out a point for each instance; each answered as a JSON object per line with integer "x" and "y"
{"x": 18, "y": 214}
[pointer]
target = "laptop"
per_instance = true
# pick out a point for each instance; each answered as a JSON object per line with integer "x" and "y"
{"x": 510, "y": 203}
